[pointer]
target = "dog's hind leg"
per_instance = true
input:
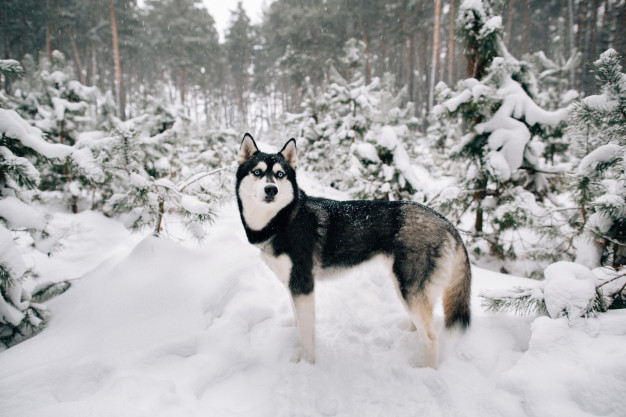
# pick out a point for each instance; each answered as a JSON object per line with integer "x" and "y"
{"x": 304, "y": 311}
{"x": 420, "y": 309}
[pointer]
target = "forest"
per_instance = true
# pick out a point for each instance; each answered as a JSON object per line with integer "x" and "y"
{"x": 259, "y": 72}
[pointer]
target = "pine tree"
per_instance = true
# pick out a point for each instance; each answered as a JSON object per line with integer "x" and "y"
{"x": 21, "y": 316}
{"x": 598, "y": 125}
{"x": 500, "y": 132}
{"x": 148, "y": 178}
{"x": 355, "y": 133}
{"x": 62, "y": 108}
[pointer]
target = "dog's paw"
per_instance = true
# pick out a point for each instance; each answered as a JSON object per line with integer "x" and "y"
{"x": 288, "y": 322}
{"x": 303, "y": 357}
{"x": 407, "y": 325}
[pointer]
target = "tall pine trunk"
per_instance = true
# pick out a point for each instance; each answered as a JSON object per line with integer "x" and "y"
{"x": 527, "y": 27}
{"x": 572, "y": 38}
{"x": 509, "y": 24}
{"x": 120, "y": 94}
{"x": 368, "y": 64}
{"x": 451, "y": 44}
{"x": 79, "y": 64}
{"x": 435, "y": 56}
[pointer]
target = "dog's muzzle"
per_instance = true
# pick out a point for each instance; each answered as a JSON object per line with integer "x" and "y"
{"x": 270, "y": 192}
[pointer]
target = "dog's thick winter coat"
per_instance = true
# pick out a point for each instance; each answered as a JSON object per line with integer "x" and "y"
{"x": 302, "y": 238}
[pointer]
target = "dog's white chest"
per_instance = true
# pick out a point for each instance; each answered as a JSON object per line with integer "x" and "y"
{"x": 280, "y": 265}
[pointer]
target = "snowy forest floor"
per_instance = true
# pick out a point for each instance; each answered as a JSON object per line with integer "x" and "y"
{"x": 164, "y": 327}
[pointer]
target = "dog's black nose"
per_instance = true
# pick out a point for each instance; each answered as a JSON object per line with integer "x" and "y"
{"x": 271, "y": 190}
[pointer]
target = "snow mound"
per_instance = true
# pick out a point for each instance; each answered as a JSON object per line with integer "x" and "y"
{"x": 569, "y": 289}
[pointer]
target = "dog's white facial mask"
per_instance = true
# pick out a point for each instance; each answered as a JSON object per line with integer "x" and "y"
{"x": 264, "y": 194}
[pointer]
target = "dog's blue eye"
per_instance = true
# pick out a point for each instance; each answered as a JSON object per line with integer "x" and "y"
{"x": 280, "y": 174}
{"x": 257, "y": 172}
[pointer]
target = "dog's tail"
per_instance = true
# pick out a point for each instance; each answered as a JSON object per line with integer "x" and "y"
{"x": 457, "y": 295}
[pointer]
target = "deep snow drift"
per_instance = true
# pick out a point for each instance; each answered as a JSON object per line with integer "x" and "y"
{"x": 159, "y": 328}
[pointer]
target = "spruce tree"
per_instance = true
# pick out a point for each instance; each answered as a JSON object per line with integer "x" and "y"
{"x": 355, "y": 134}
{"x": 500, "y": 133}
{"x": 598, "y": 126}
{"x": 147, "y": 178}
{"x": 21, "y": 147}
{"x": 62, "y": 108}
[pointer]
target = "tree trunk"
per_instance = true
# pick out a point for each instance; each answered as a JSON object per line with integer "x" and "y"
{"x": 405, "y": 43}
{"x": 48, "y": 32}
{"x": 183, "y": 76}
{"x": 509, "y": 24}
{"x": 451, "y": 43}
{"x": 592, "y": 29}
{"x": 79, "y": 65}
{"x": 572, "y": 39}
{"x": 368, "y": 64}
{"x": 158, "y": 228}
{"x": 527, "y": 27}
{"x": 435, "y": 56}
{"x": 120, "y": 95}
{"x": 411, "y": 68}
{"x": 580, "y": 41}
{"x": 620, "y": 26}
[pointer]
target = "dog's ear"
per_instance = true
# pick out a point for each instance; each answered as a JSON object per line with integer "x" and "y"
{"x": 247, "y": 149}
{"x": 289, "y": 152}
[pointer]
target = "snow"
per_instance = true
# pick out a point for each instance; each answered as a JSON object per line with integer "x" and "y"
{"x": 159, "y": 328}
{"x": 604, "y": 153}
{"x": 569, "y": 289}
{"x": 19, "y": 215}
{"x": 10, "y": 258}
{"x": 508, "y": 135}
{"x": 454, "y": 103}
{"x": 367, "y": 151}
{"x": 193, "y": 205}
{"x": 13, "y": 126}
{"x": 388, "y": 138}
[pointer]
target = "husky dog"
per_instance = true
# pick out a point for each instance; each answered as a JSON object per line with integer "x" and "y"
{"x": 302, "y": 238}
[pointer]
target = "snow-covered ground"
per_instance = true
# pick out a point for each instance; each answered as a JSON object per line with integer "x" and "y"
{"x": 153, "y": 328}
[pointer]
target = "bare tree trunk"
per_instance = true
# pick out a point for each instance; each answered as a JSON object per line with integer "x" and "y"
{"x": 411, "y": 68}
{"x": 580, "y": 41}
{"x": 618, "y": 27}
{"x": 183, "y": 76}
{"x": 592, "y": 29}
{"x": 121, "y": 99}
{"x": 572, "y": 41}
{"x": 435, "y": 56}
{"x": 527, "y": 27}
{"x": 451, "y": 43}
{"x": 48, "y": 32}
{"x": 509, "y": 24}
{"x": 406, "y": 45}
{"x": 81, "y": 73}
{"x": 368, "y": 64}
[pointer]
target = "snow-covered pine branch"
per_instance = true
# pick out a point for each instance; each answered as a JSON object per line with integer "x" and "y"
{"x": 11, "y": 68}
{"x": 569, "y": 290}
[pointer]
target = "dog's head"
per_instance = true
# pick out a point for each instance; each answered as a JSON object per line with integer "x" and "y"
{"x": 266, "y": 182}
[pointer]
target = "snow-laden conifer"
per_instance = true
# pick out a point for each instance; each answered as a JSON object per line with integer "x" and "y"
{"x": 495, "y": 126}
{"x": 598, "y": 126}
{"x": 356, "y": 134}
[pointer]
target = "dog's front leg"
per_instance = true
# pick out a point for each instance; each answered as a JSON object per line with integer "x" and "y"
{"x": 304, "y": 310}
